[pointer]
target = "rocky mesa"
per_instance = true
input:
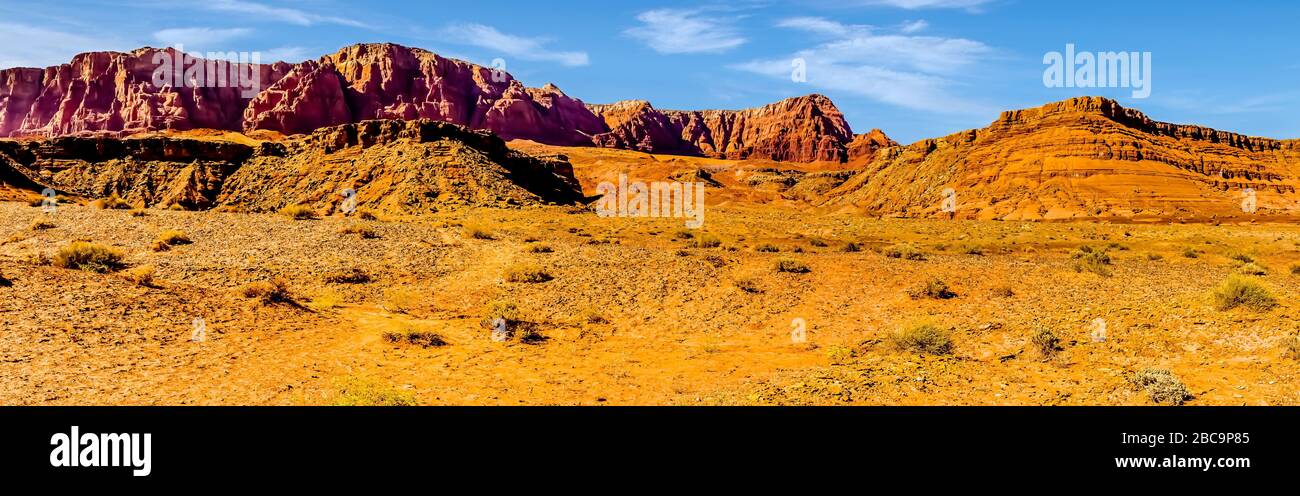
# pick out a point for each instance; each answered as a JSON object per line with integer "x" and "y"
{"x": 1085, "y": 157}
{"x": 116, "y": 93}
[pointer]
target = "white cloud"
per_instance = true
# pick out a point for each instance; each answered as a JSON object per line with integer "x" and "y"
{"x": 929, "y": 4}
{"x": 488, "y": 37}
{"x": 910, "y": 71}
{"x": 195, "y": 38}
{"x": 276, "y": 14}
{"x": 42, "y": 47}
{"x": 914, "y": 26}
{"x": 671, "y": 31}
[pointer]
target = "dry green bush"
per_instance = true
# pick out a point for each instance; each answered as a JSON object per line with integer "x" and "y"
{"x": 93, "y": 257}
{"x": 1161, "y": 385}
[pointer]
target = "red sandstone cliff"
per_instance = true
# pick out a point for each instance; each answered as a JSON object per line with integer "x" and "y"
{"x": 115, "y": 93}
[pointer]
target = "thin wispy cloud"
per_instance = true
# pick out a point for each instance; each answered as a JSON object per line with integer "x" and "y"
{"x": 273, "y": 13}
{"x": 524, "y": 48}
{"x": 916, "y": 72}
{"x": 930, "y": 4}
{"x": 676, "y": 31}
{"x": 43, "y": 47}
{"x": 199, "y": 37}
{"x": 914, "y": 26}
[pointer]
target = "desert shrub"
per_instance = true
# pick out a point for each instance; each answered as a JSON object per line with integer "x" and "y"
{"x": 366, "y": 215}
{"x": 1252, "y": 269}
{"x": 1239, "y": 291}
{"x": 923, "y": 338}
{"x": 172, "y": 237}
{"x": 141, "y": 276}
{"x": 478, "y": 232}
{"x": 839, "y": 355}
{"x": 1241, "y": 258}
{"x": 904, "y": 251}
{"x": 767, "y": 248}
{"x": 36, "y": 201}
{"x": 1295, "y": 270}
{"x": 1190, "y": 252}
{"x": 1161, "y": 385}
{"x": 415, "y": 337}
{"x": 273, "y": 291}
{"x": 361, "y": 231}
{"x": 325, "y": 301}
{"x": 684, "y": 234}
{"x": 5, "y": 282}
{"x": 139, "y": 212}
{"x": 933, "y": 288}
{"x": 851, "y": 247}
{"x": 527, "y": 273}
{"x": 1004, "y": 292}
{"x": 298, "y": 212}
{"x": 1291, "y": 346}
{"x": 93, "y": 257}
{"x": 503, "y": 310}
{"x": 402, "y": 300}
{"x": 41, "y": 225}
{"x": 748, "y": 285}
{"x": 1092, "y": 260}
{"x": 706, "y": 240}
{"x": 540, "y": 248}
{"x": 792, "y": 266}
{"x": 352, "y": 275}
{"x": 817, "y": 242}
{"x": 1047, "y": 343}
{"x": 354, "y": 391}
{"x": 1155, "y": 257}
{"x": 112, "y": 202}
{"x": 176, "y": 207}
{"x": 972, "y": 249}
{"x": 591, "y": 316}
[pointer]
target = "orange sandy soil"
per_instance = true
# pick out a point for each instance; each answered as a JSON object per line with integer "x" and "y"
{"x": 634, "y": 313}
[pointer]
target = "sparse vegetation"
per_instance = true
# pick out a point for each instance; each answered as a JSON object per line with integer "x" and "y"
{"x": 1241, "y": 258}
{"x": 933, "y": 288}
{"x": 748, "y": 285}
{"x": 41, "y": 225}
{"x": 1155, "y": 257}
{"x": 169, "y": 238}
{"x": 791, "y": 266}
{"x": 817, "y": 242}
{"x": 141, "y": 276}
{"x": 139, "y": 212}
{"x": 1092, "y": 260}
{"x": 1161, "y": 385}
{"x": 92, "y": 257}
{"x": 299, "y": 212}
{"x": 1240, "y": 291}
{"x": 527, "y": 273}
{"x": 1046, "y": 342}
{"x": 839, "y": 355}
{"x": 360, "y": 230}
{"x": 112, "y": 202}
{"x": 1252, "y": 269}
{"x": 1004, "y": 292}
{"x": 767, "y": 248}
{"x": 851, "y": 247}
{"x": 706, "y": 240}
{"x": 504, "y": 310}
{"x": 352, "y": 275}
{"x": 973, "y": 249}
{"x": 1190, "y": 252}
{"x": 327, "y": 300}
{"x": 923, "y": 338}
{"x": 1295, "y": 270}
{"x": 415, "y": 337}
{"x": 904, "y": 251}
{"x": 478, "y": 232}
{"x": 402, "y": 300}
{"x": 354, "y": 391}
{"x": 5, "y": 282}
{"x": 540, "y": 248}
{"x": 269, "y": 292}
{"x": 1291, "y": 347}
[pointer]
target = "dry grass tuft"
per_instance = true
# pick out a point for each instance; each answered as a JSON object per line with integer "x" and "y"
{"x": 1161, "y": 385}
{"x": 1240, "y": 291}
{"x": 299, "y": 212}
{"x": 792, "y": 266}
{"x": 415, "y": 337}
{"x": 354, "y": 391}
{"x": 904, "y": 251}
{"x": 93, "y": 257}
{"x": 924, "y": 338}
{"x": 141, "y": 276}
{"x": 273, "y": 291}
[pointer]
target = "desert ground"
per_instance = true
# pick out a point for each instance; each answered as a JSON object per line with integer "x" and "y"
{"x": 641, "y": 311}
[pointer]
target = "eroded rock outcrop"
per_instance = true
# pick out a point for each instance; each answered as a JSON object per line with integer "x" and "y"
{"x": 1083, "y": 157}
{"x": 803, "y": 129}
{"x": 393, "y": 166}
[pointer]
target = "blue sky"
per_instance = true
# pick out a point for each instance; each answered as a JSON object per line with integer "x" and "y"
{"x": 914, "y": 68}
